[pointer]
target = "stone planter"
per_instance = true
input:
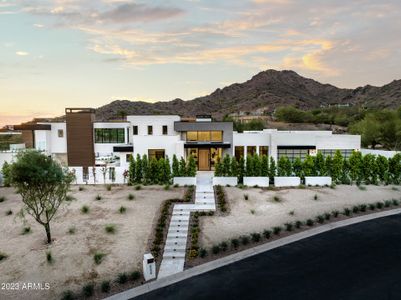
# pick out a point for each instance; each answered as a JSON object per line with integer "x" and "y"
{"x": 231, "y": 181}
{"x": 182, "y": 181}
{"x": 318, "y": 180}
{"x": 281, "y": 181}
{"x": 259, "y": 181}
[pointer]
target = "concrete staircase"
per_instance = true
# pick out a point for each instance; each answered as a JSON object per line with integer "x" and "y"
{"x": 176, "y": 243}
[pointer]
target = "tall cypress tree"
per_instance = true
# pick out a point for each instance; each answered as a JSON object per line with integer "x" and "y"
{"x": 145, "y": 169}
{"x": 234, "y": 167}
{"x": 382, "y": 168}
{"x": 226, "y": 165}
{"x": 167, "y": 171}
{"x": 297, "y": 167}
{"x": 264, "y": 166}
{"x": 176, "y": 166}
{"x": 138, "y": 170}
{"x": 241, "y": 169}
{"x": 191, "y": 168}
{"x": 308, "y": 166}
{"x": 320, "y": 165}
{"x": 131, "y": 170}
{"x": 272, "y": 169}
{"x": 337, "y": 167}
{"x": 257, "y": 165}
{"x": 249, "y": 170}
{"x": 182, "y": 169}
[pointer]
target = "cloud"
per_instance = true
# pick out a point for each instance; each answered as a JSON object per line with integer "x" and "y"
{"x": 38, "y": 25}
{"x": 22, "y": 53}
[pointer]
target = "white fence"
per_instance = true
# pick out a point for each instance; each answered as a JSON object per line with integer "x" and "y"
{"x": 100, "y": 175}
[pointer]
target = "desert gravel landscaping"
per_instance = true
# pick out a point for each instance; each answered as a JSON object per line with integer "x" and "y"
{"x": 73, "y": 253}
{"x": 268, "y": 208}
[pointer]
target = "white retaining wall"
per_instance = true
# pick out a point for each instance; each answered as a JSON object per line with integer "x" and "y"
{"x": 280, "y": 181}
{"x": 318, "y": 180}
{"x": 232, "y": 181}
{"x": 259, "y": 181}
{"x": 384, "y": 153}
{"x": 181, "y": 181}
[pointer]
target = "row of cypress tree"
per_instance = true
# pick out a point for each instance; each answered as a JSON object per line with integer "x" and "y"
{"x": 159, "y": 171}
{"x": 358, "y": 168}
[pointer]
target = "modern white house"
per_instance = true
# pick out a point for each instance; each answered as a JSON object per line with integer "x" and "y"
{"x": 80, "y": 141}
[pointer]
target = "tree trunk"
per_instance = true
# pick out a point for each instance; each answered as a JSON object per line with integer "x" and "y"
{"x": 48, "y": 234}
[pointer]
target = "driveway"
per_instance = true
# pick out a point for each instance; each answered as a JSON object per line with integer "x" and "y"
{"x": 361, "y": 261}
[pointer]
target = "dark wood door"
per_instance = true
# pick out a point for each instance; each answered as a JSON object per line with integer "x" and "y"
{"x": 204, "y": 159}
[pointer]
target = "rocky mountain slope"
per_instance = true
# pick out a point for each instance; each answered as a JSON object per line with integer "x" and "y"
{"x": 265, "y": 91}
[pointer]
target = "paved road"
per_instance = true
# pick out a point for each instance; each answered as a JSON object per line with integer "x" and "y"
{"x": 361, "y": 261}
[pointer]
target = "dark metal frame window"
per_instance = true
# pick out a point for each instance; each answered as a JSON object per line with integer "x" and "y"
{"x": 264, "y": 150}
{"x": 293, "y": 153}
{"x": 110, "y": 135}
{"x": 165, "y": 130}
{"x": 150, "y": 130}
{"x": 239, "y": 151}
{"x": 135, "y": 130}
{"x": 346, "y": 153}
{"x": 156, "y": 153}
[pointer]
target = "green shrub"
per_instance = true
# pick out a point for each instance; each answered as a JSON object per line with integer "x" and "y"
{"x": 320, "y": 219}
{"x": 69, "y": 198}
{"x": 347, "y": 212}
{"x": 277, "y": 199}
{"x": 26, "y": 230}
{"x": 98, "y": 197}
{"x": 387, "y": 203}
{"x": 49, "y": 257}
{"x": 255, "y": 237}
{"x": 289, "y": 226}
{"x": 81, "y": 188}
{"x": 246, "y": 196}
{"x": 267, "y": 233}
{"x": 335, "y": 213}
{"x": 122, "y": 278}
{"x": 315, "y": 197}
{"x": 234, "y": 243}
{"x": 135, "y": 275}
{"x": 9, "y": 212}
{"x": 166, "y": 187}
{"x": 108, "y": 187}
{"x": 3, "y": 256}
{"x": 393, "y": 188}
{"x": 122, "y": 210}
{"x": 277, "y": 230}
{"x": 298, "y": 224}
{"x": 244, "y": 240}
{"x": 379, "y": 205}
{"x": 362, "y": 207}
{"x": 105, "y": 286}
{"x": 202, "y": 252}
{"x": 395, "y": 202}
{"x": 291, "y": 213}
{"x": 131, "y": 197}
{"x": 98, "y": 257}
{"x": 110, "y": 228}
{"x": 327, "y": 216}
{"x": 138, "y": 187}
{"x": 310, "y": 222}
{"x": 85, "y": 209}
{"x": 252, "y": 211}
{"x": 71, "y": 230}
{"x": 67, "y": 295}
{"x": 88, "y": 289}
{"x": 216, "y": 249}
{"x": 2, "y": 199}
{"x": 372, "y": 206}
{"x": 355, "y": 209}
{"x": 362, "y": 188}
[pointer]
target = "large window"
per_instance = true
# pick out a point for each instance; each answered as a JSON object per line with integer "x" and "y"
{"x": 165, "y": 130}
{"x": 156, "y": 153}
{"x": 264, "y": 150}
{"x": 293, "y": 153}
{"x": 205, "y": 136}
{"x": 251, "y": 150}
{"x": 110, "y": 135}
{"x": 239, "y": 151}
{"x": 135, "y": 130}
{"x": 346, "y": 153}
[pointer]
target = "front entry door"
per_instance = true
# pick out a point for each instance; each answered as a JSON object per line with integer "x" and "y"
{"x": 204, "y": 160}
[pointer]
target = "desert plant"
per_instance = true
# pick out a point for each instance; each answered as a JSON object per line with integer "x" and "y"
{"x": 244, "y": 240}
{"x": 223, "y": 246}
{"x": 395, "y": 202}
{"x": 108, "y": 187}
{"x": 138, "y": 187}
{"x": 216, "y": 249}
{"x": 49, "y": 257}
{"x": 122, "y": 278}
{"x": 289, "y": 226}
{"x": 393, "y": 188}
{"x": 355, "y": 209}
{"x": 81, "y": 188}
{"x": 105, "y": 286}
{"x": 67, "y": 295}
{"x": 372, "y": 206}
{"x": 335, "y": 213}
{"x": 135, "y": 275}
{"x": 2, "y": 199}
{"x": 347, "y": 212}
{"x": 246, "y": 197}
{"x": 379, "y": 205}
{"x": 26, "y": 230}
{"x": 3, "y": 256}
{"x": 202, "y": 252}
{"x": 9, "y": 212}
{"x": 166, "y": 187}
{"x": 315, "y": 197}
{"x": 267, "y": 233}
{"x": 298, "y": 224}
{"x": 98, "y": 257}
{"x": 110, "y": 228}
{"x": 291, "y": 213}
{"x": 255, "y": 237}
{"x": 234, "y": 243}
{"x": 88, "y": 290}
{"x": 71, "y": 230}
{"x": 310, "y": 222}
{"x": 362, "y": 207}
{"x": 276, "y": 199}
{"x": 98, "y": 197}
{"x": 85, "y": 209}
{"x": 362, "y": 188}
{"x": 387, "y": 203}
{"x": 277, "y": 230}
{"x": 122, "y": 210}
{"x": 131, "y": 197}
{"x": 252, "y": 211}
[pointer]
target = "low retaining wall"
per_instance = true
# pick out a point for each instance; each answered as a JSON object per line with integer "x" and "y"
{"x": 232, "y": 181}
{"x": 182, "y": 181}
{"x": 318, "y": 180}
{"x": 259, "y": 181}
{"x": 280, "y": 181}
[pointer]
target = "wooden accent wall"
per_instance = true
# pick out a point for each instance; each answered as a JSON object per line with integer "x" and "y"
{"x": 28, "y": 138}
{"x": 80, "y": 143}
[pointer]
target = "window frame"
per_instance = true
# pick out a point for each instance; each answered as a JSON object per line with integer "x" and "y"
{"x": 150, "y": 129}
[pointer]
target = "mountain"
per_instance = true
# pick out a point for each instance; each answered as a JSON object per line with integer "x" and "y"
{"x": 265, "y": 91}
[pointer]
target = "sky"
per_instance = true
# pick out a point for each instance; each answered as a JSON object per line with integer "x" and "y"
{"x": 80, "y": 53}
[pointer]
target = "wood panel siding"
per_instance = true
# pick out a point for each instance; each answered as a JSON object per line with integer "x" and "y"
{"x": 80, "y": 147}
{"x": 28, "y": 138}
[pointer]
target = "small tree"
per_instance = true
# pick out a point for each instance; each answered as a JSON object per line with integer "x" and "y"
{"x": 355, "y": 163}
{"x": 328, "y": 166}
{"x": 145, "y": 169}
{"x": 284, "y": 166}
{"x": 308, "y": 166}
{"x": 167, "y": 171}
{"x": 369, "y": 169}
{"x": 382, "y": 168}
{"x": 257, "y": 165}
{"x": 6, "y": 174}
{"x": 138, "y": 169}
{"x": 131, "y": 170}
{"x": 191, "y": 169}
{"x": 42, "y": 184}
{"x": 337, "y": 167}
{"x": 272, "y": 169}
{"x": 320, "y": 165}
{"x": 241, "y": 169}
{"x": 226, "y": 165}
{"x": 218, "y": 172}
{"x": 394, "y": 168}
{"x": 182, "y": 170}
{"x": 249, "y": 168}
{"x": 152, "y": 174}
{"x": 176, "y": 166}
{"x": 297, "y": 167}
{"x": 234, "y": 167}
{"x": 264, "y": 166}
{"x": 345, "y": 175}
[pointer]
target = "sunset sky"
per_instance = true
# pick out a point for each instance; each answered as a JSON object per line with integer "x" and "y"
{"x": 69, "y": 53}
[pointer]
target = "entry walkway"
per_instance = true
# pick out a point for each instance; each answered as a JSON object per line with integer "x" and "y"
{"x": 176, "y": 243}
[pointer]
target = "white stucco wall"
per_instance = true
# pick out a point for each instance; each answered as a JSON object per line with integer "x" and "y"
{"x": 157, "y": 121}
{"x": 339, "y": 141}
{"x": 58, "y": 144}
{"x": 251, "y": 138}
{"x": 384, "y": 153}
{"x": 171, "y": 144}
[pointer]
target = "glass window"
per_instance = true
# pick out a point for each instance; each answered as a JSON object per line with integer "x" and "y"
{"x": 192, "y": 136}
{"x": 264, "y": 150}
{"x": 165, "y": 131}
{"x": 215, "y": 156}
{"x": 156, "y": 153}
{"x": 204, "y": 136}
{"x": 251, "y": 150}
{"x": 135, "y": 130}
{"x": 239, "y": 151}
{"x": 110, "y": 135}
{"x": 60, "y": 133}
{"x": 150, "y": 130}
{"x": 217, "y": 136}
{"x": 293, "y": 153}
{"x": 330, "y": 152}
